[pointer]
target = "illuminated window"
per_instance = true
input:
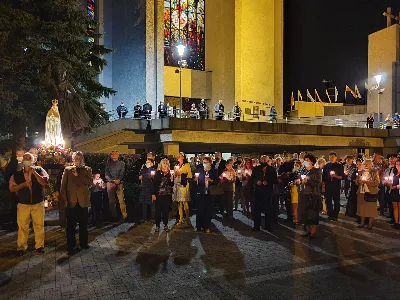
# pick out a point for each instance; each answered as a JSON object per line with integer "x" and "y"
{"x": 90, "y": 12}
{"x": 184, "y": 22}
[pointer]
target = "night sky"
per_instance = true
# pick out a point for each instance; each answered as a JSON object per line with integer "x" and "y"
{"x": 328, "y": 39}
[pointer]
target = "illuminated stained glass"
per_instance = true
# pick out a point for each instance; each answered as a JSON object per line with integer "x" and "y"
{"x": 184, "y": 22}
{"x": 90, "y": 12}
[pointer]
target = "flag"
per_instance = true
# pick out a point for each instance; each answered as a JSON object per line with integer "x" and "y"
{"x": 317, "y": 97}
{"x": 309, "y": 96}
{"x": 357, "y": 91}
{"x": 299, "y": 96}
{"x": 348, "y": 89}
{"x": 329, "y": 97}
{"x": 336, "y": 93}
{"x": 292, "y": 101}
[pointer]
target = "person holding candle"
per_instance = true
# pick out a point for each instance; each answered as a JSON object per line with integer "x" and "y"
{"x": 162, "y": 193}
{"x": 146, "y": 188}
{"x": 247, "y": 189}
{"x": 332, "y": 176}
{"x": 181, "y": 194}
{"x": 96, "y": 199}
{"x": 394, "y": 195}
{"x": 389, "y": 172}
{"x": 368, "y": 182}
{"x": 263, "y": 179}
{"x": 227, "y": 179}
{"x": 237, "y": 166}
{"x": 28, "y": 183}
{"x": 349, "y": 179}
{"x": 205, "y": 177}
{"x": 310, "y": 196}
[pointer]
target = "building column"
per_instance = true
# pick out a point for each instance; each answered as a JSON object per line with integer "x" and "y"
{"x": 171, "y": 149}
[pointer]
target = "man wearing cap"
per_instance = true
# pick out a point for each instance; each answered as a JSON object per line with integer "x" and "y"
{"x": 114, "y": 174}
{"x": 28, "y": 183}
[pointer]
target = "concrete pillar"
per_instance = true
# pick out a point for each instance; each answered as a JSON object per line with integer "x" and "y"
{"x": 171, "y": 149}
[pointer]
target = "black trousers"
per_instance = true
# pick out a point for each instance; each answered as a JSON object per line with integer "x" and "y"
{"x": 347, "y": 185}
{"x": 79, "y": 214}
{"x": 332, "y": 198}
{"x": 146, "y": 210}
{"x": 96, "y": 200}
{"x": 204, "y": 211}
{"x": 227, "y": 200}
{"x": 389, "y": 203}
{"x": 263, "y": 202}
{"x": 162, "y": 209}
{"x": 381, "y": 199}
{"x": 351, "y": 208}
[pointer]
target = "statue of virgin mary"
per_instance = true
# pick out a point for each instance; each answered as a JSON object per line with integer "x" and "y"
{"x": 53, "y": 133}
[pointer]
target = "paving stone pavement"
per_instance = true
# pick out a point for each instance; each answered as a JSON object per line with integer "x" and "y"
{"x": 134, "y": 262}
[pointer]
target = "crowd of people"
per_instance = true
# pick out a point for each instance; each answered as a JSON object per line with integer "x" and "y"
{"x": 389, "y": 123}
{"x": 189, "y": 110}
{"x": 300, "y": 186}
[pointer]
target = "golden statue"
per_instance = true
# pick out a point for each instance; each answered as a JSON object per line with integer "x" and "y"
{"x": 53, "y": 135}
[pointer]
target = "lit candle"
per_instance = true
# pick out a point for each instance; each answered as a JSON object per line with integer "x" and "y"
{"x": 332, "y": 173}
{"x": 391, "y": 178}
{"x": 46, "y": 203}
{"x": 303, "y": 177}
{"x": 172, "y": 172}
{"x": 239, "y": 171}
{"x": 247, "y": 172}
{"x": 223, "y": 175}
{"x": 386, "y": 178}
{"x": 153, "y": 173}
{"x": 197, "y": 175}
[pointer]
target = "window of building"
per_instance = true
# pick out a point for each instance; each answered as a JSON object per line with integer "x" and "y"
{"x": 184, "y": 22}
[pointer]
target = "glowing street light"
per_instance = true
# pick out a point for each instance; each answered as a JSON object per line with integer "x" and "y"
{"x": 181, "y": 50}
{"x": 378, "y": 79}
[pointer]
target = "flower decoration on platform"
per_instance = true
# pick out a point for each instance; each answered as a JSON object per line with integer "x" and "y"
{"x": 53, "y": 155}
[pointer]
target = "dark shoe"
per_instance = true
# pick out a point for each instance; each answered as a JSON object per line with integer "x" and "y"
{"x": 268, "y": 228}
{"x": 85, "y": 247}
{"x": 73, "y": 251}
{"x": 166, "y": 229}
{"x": 311, "y": 237}
{"x": 40, "y": 250}
{"x": 368, "y": 226}
{"x": 305, "y": 234}
{"x": 391, "y": 221}
{"x": 255, "y": 229}
{"x": 157, "y": 229}
{"x": 21, "y": 253}
{"x": 361, "y": 226}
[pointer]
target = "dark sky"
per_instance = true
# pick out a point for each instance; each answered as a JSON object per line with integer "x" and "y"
{"x": 328, "y": 39}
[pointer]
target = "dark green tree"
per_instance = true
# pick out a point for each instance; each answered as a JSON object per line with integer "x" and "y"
{"x": 45, "y": 54}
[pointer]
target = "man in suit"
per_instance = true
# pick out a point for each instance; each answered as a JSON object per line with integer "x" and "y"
{"x": 75, "y": 196}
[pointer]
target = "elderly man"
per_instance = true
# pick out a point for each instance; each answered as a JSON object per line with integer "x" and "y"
{"x": 28, "y": 182}
{"x": 115, "y": 173}
{"x": 75, "y": 196}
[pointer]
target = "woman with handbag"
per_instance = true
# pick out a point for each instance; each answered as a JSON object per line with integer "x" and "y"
{"x": 394, "y": 194}
{"x": 205, "y": 178}
{"x": 368, "y": 182}
{"x": 162, "y": 193}
{"x": 181, "y": 191}
{"x": 310, "y": 202}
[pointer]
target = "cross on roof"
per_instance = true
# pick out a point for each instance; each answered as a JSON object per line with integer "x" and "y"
{"x": 389, "y": 16}
{"x": 398, "y": 18}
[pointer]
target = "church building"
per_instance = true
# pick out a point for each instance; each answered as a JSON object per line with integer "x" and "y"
{"x": 234, "y": 52}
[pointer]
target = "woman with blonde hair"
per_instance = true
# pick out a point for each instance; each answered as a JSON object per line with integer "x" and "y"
{"x": 368, "y": 182}
{"x": 162, "y": 193}
{"x": 181, "y": 191}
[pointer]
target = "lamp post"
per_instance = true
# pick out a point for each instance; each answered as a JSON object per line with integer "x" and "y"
{"x": 378, "y": 79}
{"x": 181, "y": 50}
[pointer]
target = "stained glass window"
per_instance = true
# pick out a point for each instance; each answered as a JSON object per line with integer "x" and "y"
{"x": 184, "y": 22}
{"x": 90, "y": 12}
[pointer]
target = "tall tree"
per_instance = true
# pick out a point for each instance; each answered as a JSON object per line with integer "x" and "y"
{"x": 45, "y": 53}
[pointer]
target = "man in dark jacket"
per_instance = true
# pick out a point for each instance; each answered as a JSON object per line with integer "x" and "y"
{"x": 263, "y": 179}
{"x": 28, "y": 183}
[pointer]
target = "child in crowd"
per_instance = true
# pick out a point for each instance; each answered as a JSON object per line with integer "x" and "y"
{"x": 96, "y": 199}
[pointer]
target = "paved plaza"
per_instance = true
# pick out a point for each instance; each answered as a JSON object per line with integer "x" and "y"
{"x": 133, "y": 262}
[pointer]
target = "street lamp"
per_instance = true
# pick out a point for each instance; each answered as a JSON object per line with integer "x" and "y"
{"x": 378, "y": 79}
{"x": 181, "y": 50}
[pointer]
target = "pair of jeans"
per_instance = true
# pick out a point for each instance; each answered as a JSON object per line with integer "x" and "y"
{"x": 79, "y": 214}
{"x": 332, "y": 198}
{"x": 162, "y": 209}
{"x": 96, "y": 200}
{"x": 204, "y": 211}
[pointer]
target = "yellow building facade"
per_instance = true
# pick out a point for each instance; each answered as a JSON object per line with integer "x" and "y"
{"x": 243, "y": 57}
